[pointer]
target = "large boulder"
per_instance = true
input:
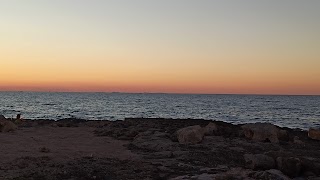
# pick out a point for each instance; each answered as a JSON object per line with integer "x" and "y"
{"x": 210, "y": 129}
{"x": 259, "y": 161}
{"x": 314, "y": 134}
{"x": 190, "y": 135}
{"x": 290, "y": 166}
{"x": 264, "y": 132}
{"x": 7, "y": 126}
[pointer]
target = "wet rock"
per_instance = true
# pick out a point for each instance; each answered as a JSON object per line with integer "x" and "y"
{"x": 290, "y": 166}
{"x": 210, "y": 129}
{"x": 7, "y": 126}
{"x": 272, "y": 174}
{"x": 259, "y": 161}
{"x": 190, "y": 135}
{"x": 314, "y": 134}
{"x": 264, "y": 132}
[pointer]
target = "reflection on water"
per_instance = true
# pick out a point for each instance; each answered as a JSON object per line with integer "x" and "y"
{"x": 290, "y": 111}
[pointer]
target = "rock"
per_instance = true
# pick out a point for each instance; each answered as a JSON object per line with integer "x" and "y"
{"x": 311, "y": 165}
{"x": 297, "y": 140}
{"x": 259, "y": 161}
{"x": 7, "y": 126}
{"x": 290, "y": 166}
{"x": 281, "y": 153}
{"x": 237, "y": 149}
{"x": 219, "y": 168}
{"x": 308, "y": 174}
{"x": 233, "y": 173}
{"x": 179, "y": 153}
{"x": 154, "y": 141}
{"x": 314, "y": 134}
{"x": 272, "y": 174}
{"x": 162, "y": 155}
{"x": 18, "y": 121}
{"x": 264, "y": 132}
{"x": 203, "y": 176}
{"x": 131, "y": 133}
{"x": 314, "y": 178}
{"x": 190, "y": 135}
{"x": 165, "y": 169}
{"x": 2, "y": 117}
{"x": 44, "y": 150}
{"x": 210, "y": 129}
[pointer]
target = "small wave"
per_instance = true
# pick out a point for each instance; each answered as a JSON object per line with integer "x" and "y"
{"x": 49, "y": 104}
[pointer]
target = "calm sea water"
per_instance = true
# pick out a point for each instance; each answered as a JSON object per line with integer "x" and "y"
{"x": 289, "y": 111}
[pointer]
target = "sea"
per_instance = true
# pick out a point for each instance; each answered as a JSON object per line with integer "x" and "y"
{"x": 300, "y": 112}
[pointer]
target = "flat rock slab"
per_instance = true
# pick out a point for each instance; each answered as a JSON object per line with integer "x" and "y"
{"x": 63, "y": 143}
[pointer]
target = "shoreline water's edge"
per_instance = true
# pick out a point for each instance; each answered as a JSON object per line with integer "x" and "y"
{"x": 75, "y": 119}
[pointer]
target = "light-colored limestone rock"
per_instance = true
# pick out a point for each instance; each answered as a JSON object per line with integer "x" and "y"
{"x": 264, "y": 132}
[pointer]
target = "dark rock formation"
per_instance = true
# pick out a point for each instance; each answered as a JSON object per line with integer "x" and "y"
{"x": 259, "y": 161}
{"x": 190, "y": 135}
{"x": 210, "y": 129}
{"x": 290, "y": 166}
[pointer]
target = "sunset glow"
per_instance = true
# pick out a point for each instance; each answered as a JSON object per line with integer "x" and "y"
{"x": 182, "y": 46}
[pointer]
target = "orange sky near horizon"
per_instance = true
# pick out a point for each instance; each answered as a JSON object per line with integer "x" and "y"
{"x": 100, "y": 46}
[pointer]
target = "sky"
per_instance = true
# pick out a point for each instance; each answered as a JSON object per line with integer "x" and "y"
{"x": 169, "y": 46}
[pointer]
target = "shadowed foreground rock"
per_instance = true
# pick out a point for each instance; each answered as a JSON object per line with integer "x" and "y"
{"x": 290, "y": 166}
{"x": 6, "y": 125}
{"x": 156, "y": 149}
{"x": 190, "y": 135}
{"x": 259, "y": 161}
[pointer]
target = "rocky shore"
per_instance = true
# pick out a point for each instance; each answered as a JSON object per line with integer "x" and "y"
{"x": 155, "y": 149}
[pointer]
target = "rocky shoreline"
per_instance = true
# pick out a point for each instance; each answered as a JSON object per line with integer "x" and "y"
{"x": 155, "y": 149}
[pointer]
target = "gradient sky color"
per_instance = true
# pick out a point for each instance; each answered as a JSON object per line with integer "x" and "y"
{"x": 179, "y": 46}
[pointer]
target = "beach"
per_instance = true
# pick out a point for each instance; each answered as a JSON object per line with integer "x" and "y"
{"x": 138, "y": 148}
{"x": 159, "y": 90}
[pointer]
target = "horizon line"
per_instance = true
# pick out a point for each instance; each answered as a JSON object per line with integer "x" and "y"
{"x": 177, "y": 93}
